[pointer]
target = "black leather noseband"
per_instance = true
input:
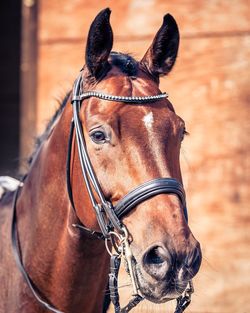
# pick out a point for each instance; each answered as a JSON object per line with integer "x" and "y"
{"x": 148, "y": 190}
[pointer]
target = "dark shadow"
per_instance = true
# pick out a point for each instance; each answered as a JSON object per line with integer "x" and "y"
{"x": 10, "y": 36}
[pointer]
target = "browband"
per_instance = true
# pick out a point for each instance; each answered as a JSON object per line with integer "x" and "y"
{"x": 108, "y": 97}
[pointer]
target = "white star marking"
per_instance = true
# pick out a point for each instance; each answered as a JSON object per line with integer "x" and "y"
{"x": 148, "y": 120}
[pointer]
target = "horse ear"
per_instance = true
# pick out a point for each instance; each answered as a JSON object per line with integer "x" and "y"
{"x": 99, "y": 43}
{"x": 161, "y": 55}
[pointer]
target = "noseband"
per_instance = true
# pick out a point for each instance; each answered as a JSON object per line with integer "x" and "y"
{"x": 108, "y": 215}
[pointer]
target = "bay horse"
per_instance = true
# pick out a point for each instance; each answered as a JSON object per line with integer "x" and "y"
{"x": 118, "y": 138}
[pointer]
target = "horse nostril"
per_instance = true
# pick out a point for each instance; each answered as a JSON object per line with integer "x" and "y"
{"x": 196, "y": 261}
{"x": 193, "y": 263}
{"x": 156, "y": 261}
{"x": 154, "y": 256}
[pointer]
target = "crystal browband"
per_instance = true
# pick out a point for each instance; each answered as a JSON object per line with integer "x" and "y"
{"x": 104, "y": 96}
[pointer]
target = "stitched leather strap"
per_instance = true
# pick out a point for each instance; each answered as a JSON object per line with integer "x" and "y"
{"x": 92, "y": 232}
{"x": 148, "y": 190}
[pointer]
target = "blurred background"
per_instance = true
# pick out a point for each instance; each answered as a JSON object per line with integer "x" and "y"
{"x": 42, "y": 51}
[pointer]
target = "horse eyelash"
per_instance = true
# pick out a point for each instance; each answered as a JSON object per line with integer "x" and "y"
{"x": 184, "y": 134}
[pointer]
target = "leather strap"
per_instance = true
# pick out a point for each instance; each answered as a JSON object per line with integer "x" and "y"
{"x": 15, "y": 248}
{"x": 148, "y": 190}
{"x": 92, "y": 232}
{"x": 115, "y": 262}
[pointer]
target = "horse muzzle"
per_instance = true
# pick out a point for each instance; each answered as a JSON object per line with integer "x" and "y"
{"x": 163, "y": 275}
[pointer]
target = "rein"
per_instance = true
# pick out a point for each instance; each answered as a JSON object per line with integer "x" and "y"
{"x": 108, "y": 216}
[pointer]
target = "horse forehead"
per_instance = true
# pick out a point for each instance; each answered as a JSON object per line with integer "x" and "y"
{"x": 118, "y": 83}
{"x": 133, "y": 115}
{"x": 122, "y": 85}
{"x": 148, "y": 115}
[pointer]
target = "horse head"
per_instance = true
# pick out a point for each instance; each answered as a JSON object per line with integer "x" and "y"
{"x": 133, "y": 143}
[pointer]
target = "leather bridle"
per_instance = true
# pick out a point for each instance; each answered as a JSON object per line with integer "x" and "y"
{"x": 109, "y": 216}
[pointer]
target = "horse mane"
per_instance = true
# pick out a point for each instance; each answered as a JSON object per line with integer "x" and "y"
{"x": 125, "y": 62}
{"x": 40, "y": 139}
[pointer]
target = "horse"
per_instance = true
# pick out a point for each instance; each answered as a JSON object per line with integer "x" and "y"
{"x": 105, "y": 174}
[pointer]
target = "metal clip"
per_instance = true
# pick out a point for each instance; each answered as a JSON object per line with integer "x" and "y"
{"x": 117, "y": 246}
{"x": 129, "y": 258}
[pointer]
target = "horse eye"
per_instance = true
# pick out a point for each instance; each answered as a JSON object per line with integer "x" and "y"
{"x": 98, "y": 136}
{"x": 184, "y": 133}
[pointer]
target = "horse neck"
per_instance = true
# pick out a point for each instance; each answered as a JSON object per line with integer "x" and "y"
{"x": 69, "y": 268}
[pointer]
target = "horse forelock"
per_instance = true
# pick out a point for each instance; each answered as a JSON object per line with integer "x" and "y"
{"x": 125, "y": 62}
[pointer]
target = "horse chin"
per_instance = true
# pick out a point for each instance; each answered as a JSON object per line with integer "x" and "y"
{"x": 158, "y": 292}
